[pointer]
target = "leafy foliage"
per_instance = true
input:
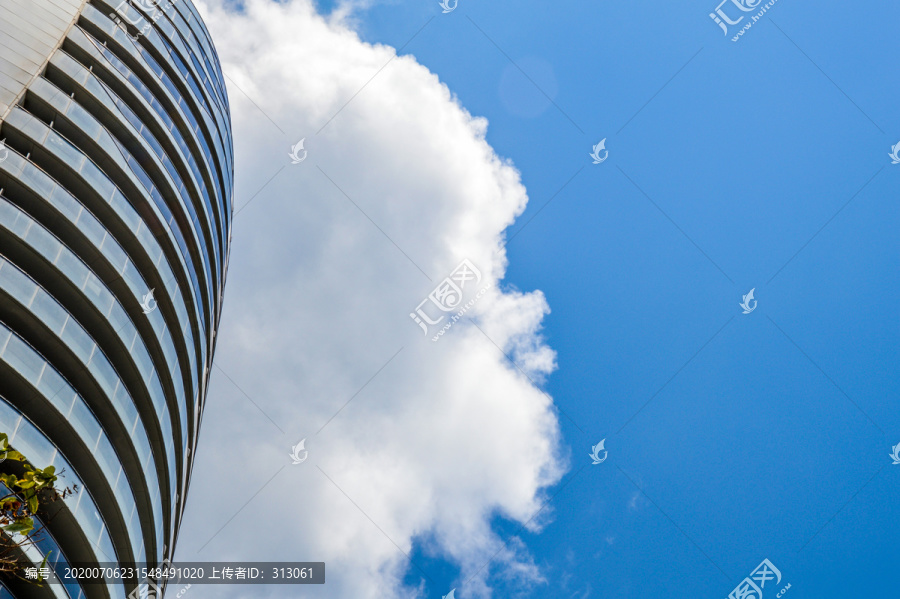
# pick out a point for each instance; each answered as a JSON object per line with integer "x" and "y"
{"x": 27, "y": 492}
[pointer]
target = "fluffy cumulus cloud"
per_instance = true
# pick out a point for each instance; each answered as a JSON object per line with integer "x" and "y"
{"x": 416, "y": 447}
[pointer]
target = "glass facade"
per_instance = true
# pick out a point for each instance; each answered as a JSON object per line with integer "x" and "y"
{"x": 116, "y": 176}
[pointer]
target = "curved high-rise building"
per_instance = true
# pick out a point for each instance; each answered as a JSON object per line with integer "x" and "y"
{"x": 116, "y": 172}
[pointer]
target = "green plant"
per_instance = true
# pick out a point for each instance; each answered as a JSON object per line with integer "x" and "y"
{"x": 26, "y": 491}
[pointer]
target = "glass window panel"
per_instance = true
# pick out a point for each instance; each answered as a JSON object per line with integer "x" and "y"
{"x": 67, "y": 477}
{"x": 97, "y": 293}
{"x": 78, "y": 340}
{"x": 158, "y": 400}
{"x": 114, "y": 253}
{"x": 125, "y": 497}
{"x": 106, "y": 552}
{"x": 55, "y": 388}
{"x": 43, "y": 242}
{"x": 21, "y": 224}
{"x": 16, "y": 283}
{"x": 169, "y": 352}
{"x": 108, "y": 460}
{"x": 24, "y": 359}
{"x": 84, "y": 120}
{"x": 8, "y": 213}
{"x": 36, "y": 448}
{"x": 133, "y": 276}
{"x": 152, "y": 142}
{"x": 138, "y": 171}
{"x": 104, "y": 372}
{"x": 9, "y": 417}
{"x": 120, "y": 322}
{"x": 125, "y": 406}
{"x": 64, "y": 397}
{"x": 30, "y": 125}
{"x": 83, "y": 421}
{"x": 91, "y": 228}
{"x": 65, "y": 203}
{"x": 37, "y": 180}
{"x": 120, "y": 203}
{"x": 65, "y": 151}
{"x": 92, "y": 524}
{"x": 143, "y": 361}
{"x": 97, "y": 179}
{"x": 73, "y": 267}
{"x": 49, "y": 311}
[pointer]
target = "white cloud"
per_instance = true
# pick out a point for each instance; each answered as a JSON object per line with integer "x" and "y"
{"x": 449, "y": 434}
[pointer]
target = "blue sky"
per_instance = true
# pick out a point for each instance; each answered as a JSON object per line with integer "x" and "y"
{"x": 725, "y": 160}
{"x": 732, "y": 438}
